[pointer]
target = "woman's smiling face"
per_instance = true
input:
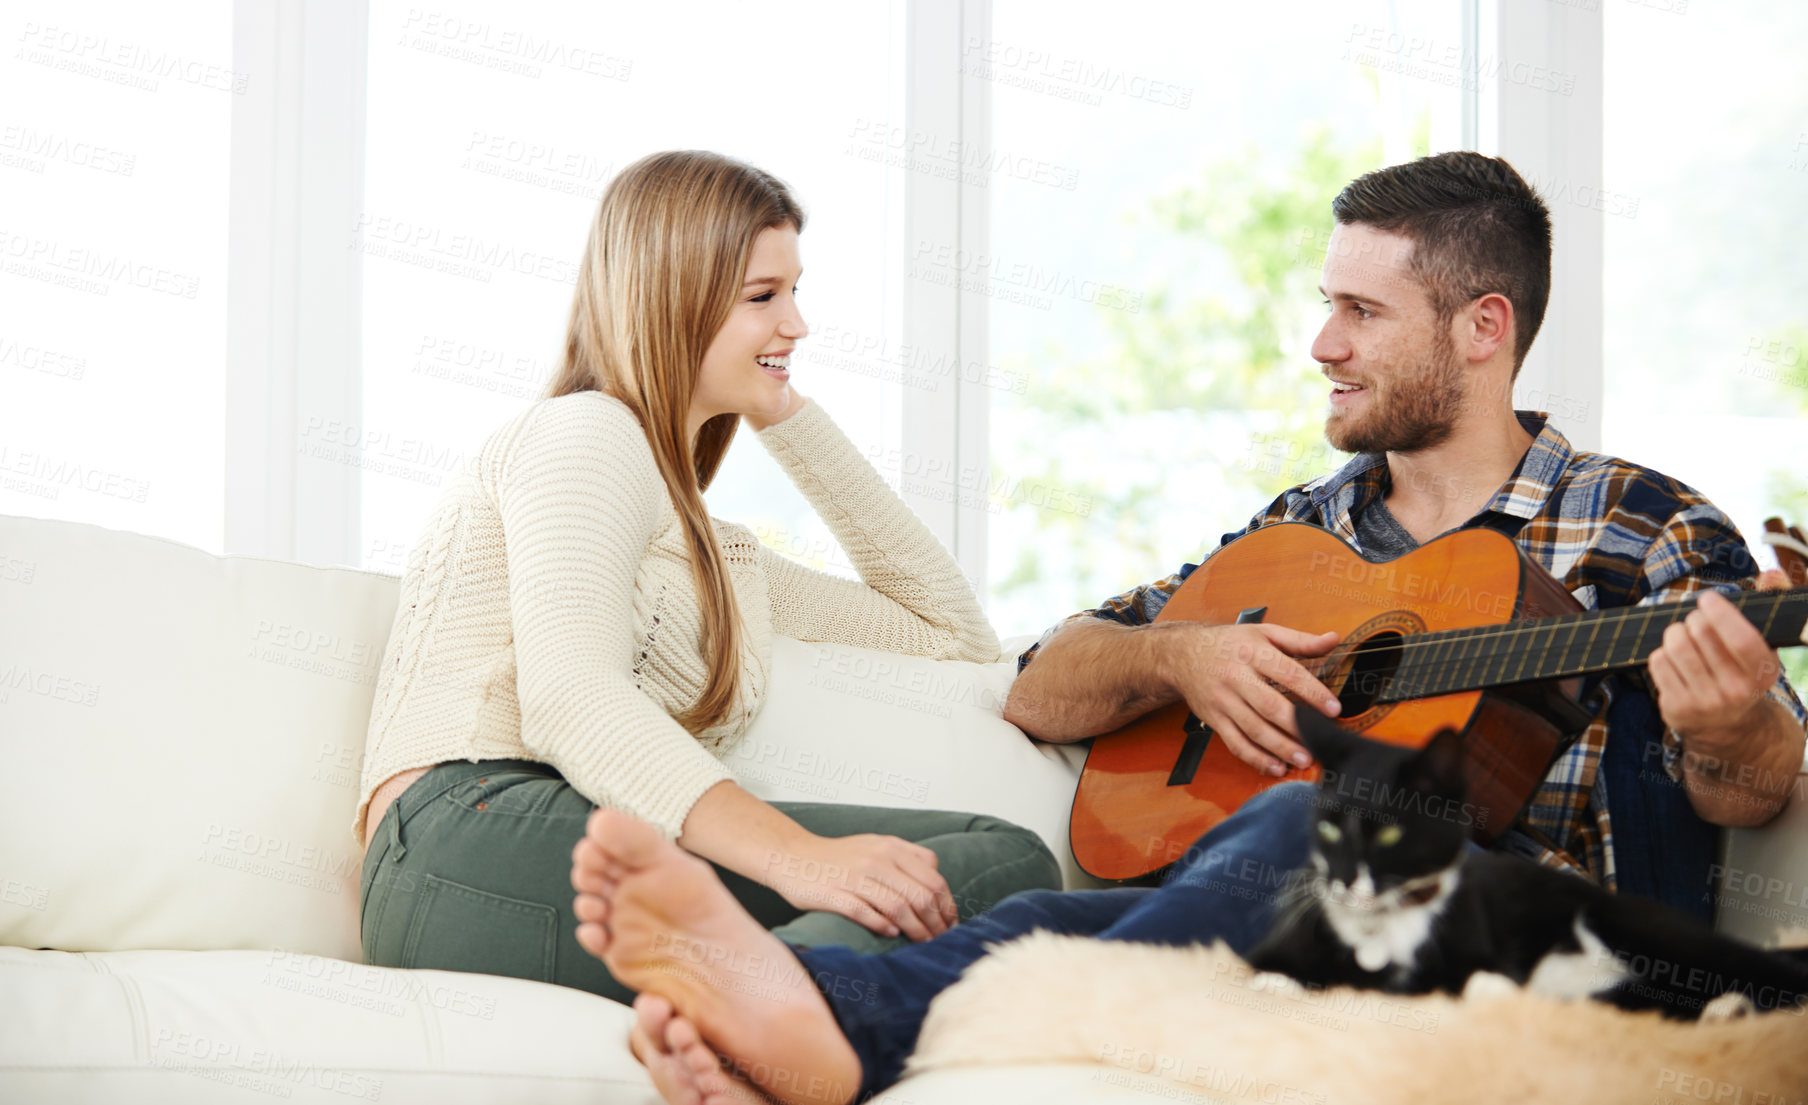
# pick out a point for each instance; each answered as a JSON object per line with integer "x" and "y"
{"x": 747, "y": 367}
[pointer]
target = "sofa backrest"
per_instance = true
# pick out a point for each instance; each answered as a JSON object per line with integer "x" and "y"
{"x": 184, "y": 734}
{"x": 862, "y": 727}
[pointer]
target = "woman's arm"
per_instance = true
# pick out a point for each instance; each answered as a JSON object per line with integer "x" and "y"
{"x": 911, "y": 596}
{"x": 580, "y": 497}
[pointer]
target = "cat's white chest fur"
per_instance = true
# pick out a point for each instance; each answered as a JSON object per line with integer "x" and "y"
{"x": 1578, "y": 974}
{"x": 1381, "y": 932}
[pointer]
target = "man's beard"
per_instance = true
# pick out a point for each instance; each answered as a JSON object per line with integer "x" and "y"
{"x": 1408, "y": 412}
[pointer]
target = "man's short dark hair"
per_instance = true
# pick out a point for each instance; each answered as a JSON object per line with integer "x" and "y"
{"x": 1476, "y": 226}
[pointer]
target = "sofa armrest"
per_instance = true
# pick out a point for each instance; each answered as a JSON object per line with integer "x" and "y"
{"x": 1760, "y": 886}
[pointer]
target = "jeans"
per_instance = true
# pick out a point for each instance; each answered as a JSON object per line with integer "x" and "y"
{"x": 470, "y": 870}
{"x": 1224, "y": 888}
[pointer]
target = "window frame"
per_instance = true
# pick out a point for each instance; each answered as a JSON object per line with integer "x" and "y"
{"x": 1554, "y": 139}
{"x": 294, "y": 305}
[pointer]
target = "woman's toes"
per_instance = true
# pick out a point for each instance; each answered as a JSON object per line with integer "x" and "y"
{"x": 714, "y": 1085}
{"x": 680, "y": 1034}
{"x": 591, "y": 867}
{"x": 641, "y": 1046}
{"x": 652, "y": 1013}
{"x": 669, "y": 1074}
{"x": 622, "y": 841}
{"x": 588, "y": 882}
{"x": 682, "y": 1040}
{"x": 591, "y": 907}
{"x": 593, "y": 938}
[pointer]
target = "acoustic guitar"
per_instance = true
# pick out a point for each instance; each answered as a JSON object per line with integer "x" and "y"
{"x": 1465, "y": 632}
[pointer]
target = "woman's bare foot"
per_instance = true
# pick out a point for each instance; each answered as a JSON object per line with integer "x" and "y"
{"x": 671, "y": 1073}
{"x": 684, "y": 1069}
{"x": 666, "y": 926}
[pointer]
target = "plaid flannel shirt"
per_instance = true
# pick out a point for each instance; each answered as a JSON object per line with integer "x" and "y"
{"x": 1614, "y": 533}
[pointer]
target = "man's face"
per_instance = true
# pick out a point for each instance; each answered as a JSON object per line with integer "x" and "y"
{"x": 1397, "y": 382}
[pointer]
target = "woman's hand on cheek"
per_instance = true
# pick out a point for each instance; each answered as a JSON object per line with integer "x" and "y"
{"x": 795, "y": 404}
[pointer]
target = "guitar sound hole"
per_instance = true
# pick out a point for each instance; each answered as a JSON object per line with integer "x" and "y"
{"x": 1373, "y": 664}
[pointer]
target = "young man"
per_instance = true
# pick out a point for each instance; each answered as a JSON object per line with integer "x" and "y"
{"x": 1437, "y": 275}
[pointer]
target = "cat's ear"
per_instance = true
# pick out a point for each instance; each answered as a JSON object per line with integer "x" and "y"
{"x": 1437, "y": 768}
{"x": 1328, "y": 742}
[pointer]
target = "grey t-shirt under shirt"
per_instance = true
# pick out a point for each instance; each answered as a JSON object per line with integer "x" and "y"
{"x": 1380, "y": 534}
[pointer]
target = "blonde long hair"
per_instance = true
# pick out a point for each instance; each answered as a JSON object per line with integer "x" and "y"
{"x": 663, "y": 266}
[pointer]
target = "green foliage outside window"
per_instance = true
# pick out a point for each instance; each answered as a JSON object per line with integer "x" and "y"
{"x": 1234, "y": 365}
{"x": 1784, "y": 362}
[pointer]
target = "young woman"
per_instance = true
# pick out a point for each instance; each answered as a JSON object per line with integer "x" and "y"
{"x": 575, "y": 630}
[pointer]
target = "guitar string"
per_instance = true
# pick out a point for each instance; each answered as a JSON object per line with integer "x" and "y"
{"x": 1626, "y": 613}
{"x": 1529, "y": 626}
{"x": 1525, "y": 630}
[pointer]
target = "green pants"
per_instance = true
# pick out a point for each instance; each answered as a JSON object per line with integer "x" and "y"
{"x": 470, "y": 870}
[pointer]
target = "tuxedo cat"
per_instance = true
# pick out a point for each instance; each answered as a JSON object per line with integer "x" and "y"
{"x": 1401, "y": 903}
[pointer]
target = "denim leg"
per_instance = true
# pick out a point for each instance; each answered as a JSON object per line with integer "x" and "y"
{"x": 1226, "y": 885}
{"x": 880, "y": 1000}
{"x": 471, "y": 871}
{"x": 1223, "y": 887}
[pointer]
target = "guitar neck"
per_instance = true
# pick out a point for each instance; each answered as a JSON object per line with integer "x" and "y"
{"x": 1454, "y": 660}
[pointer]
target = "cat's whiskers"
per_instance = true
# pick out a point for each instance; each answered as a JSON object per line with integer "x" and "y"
{"x": 1296, "y": 900}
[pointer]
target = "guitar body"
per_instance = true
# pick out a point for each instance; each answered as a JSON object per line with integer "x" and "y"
{"x": 1133, "y": 813}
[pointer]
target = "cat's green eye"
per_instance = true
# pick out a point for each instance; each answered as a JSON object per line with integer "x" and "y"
{"x": 1388, "y": 836}
{"x": 1330, "y": 832}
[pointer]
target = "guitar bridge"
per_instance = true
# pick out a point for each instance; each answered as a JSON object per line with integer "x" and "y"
{"x": 1192, "y": 751}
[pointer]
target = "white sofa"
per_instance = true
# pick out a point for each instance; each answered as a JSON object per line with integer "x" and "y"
{"x": 182, "y": 736}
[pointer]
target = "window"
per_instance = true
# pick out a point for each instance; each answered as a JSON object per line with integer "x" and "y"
{"x": 1706, "y": 331}
{"x": 113, "y": 182}
{"x": 1160, "y": 204}
{"x": 476, "y": 214}
{"x": 1136, "y": 225}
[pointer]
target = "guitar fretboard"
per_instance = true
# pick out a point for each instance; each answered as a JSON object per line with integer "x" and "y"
{"x": 1452, "y": 660}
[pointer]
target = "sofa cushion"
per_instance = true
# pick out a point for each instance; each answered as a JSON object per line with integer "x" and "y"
{"x": 188, "y": 1027}
{"x": 193, "y": 1028}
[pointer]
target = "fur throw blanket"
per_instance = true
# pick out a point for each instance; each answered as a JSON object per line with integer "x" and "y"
{"x": 1188, "y": 1018}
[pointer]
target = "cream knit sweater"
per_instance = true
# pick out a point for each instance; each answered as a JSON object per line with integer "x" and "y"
{"x": 548, "y": 611}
